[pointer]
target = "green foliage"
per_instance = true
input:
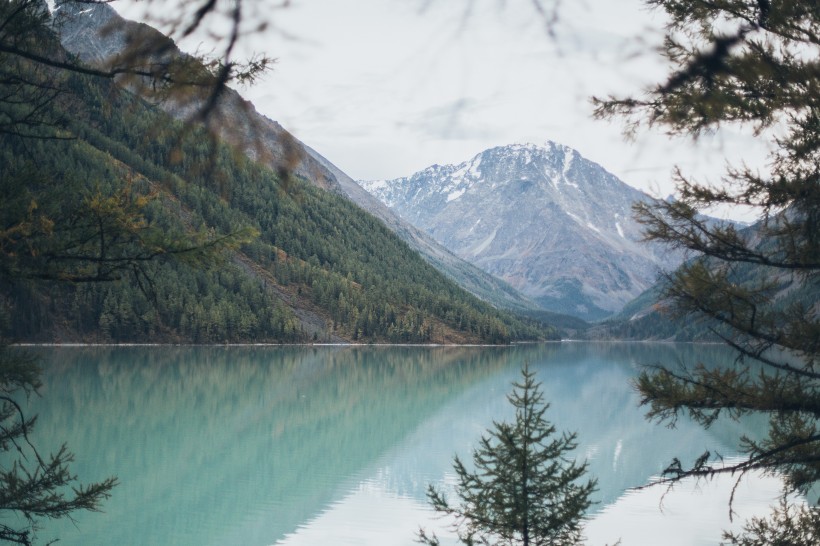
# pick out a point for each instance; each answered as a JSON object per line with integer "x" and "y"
{"x": 66, "y": 214}
{"x": 312, "y": 245}
{"x": 753, "y": 64}
{"x": 32, "y": 485}
{"x": 788, "y": 525}
{"x": 524, "y": 489}
{"x": 27, "y": 87}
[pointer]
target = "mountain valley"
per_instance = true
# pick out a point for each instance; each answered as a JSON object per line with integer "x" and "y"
{"x": 98, "y": 35}
{"x": 303, "y": 262}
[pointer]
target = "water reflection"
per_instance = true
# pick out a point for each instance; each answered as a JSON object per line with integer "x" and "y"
{"x": 259, "y": 445}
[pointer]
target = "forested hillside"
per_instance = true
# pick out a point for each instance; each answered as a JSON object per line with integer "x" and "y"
{"x": 312, "y": 265}
{"x": 98, "y": 36}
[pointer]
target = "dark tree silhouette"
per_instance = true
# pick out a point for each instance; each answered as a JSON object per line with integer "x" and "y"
{"x": 752, "y": 64}
{"x": 54, "y": 229}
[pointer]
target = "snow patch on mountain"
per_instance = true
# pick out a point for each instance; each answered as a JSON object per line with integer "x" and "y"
{"x": 482, "y": 246}
{"x": 455, "y": 194}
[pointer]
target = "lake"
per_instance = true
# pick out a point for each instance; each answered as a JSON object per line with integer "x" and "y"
{"x": 336, "y": 444}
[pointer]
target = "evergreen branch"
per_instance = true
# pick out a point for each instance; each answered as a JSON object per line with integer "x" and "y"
{"x": 686, "y": 231}
{"x": 712, "y": 391}
{"x": 756, "y": 461}
{"x": 758, "y": 356}
{"x": 679, "y": 288}
{"x": 79, "y": 68}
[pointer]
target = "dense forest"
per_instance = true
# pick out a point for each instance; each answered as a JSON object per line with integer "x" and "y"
{"x": 307, "y": 265}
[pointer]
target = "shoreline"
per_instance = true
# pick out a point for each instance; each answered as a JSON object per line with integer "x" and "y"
{"x": 345, "y": 344}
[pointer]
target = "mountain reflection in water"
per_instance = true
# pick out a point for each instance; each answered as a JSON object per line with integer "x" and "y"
{"x": 336, "y": 445}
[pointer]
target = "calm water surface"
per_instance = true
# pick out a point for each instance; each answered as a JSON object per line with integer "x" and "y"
{"x": 336, "y": 445}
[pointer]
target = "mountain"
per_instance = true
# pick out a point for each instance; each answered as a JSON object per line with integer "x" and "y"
{"x": 312, "y": 266}
{"x": 98, "y": 35}
{"x": 554, "y": 225}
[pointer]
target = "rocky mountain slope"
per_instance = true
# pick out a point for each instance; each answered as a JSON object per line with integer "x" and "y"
{"x": 207, "y": 245}
{"x": 97, "y": 35}
{"x": 554, "y": 225}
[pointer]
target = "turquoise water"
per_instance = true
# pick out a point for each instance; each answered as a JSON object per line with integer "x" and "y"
{"x": 336, "y": 445}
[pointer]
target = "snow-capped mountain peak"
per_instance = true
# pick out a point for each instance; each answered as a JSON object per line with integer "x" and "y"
{"x": 553, "y": 224}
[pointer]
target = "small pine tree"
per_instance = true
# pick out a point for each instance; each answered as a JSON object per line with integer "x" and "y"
{"x": 525, "y": 489}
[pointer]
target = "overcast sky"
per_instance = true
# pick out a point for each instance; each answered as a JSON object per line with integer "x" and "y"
{"x": 384, "y": 88}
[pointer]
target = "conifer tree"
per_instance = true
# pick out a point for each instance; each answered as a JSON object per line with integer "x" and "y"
{"x": 33, "y": 486}
{"x": 525, "y": 489}
{"x": 788, "y": 525}
{"x": 737, "y": 64}
{"x": 51, "y": 230}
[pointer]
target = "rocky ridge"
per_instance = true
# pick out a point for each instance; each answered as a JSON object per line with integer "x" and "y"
{"x": 554, "y": 225}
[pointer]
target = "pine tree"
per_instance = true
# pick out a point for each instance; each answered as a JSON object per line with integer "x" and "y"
{"x": 753, "y": 64}
{"x": 787, "y": 526}
{"x": 56, "y": 227}
{"x": 525, "y": 489}
{"x": 32, "y": 485}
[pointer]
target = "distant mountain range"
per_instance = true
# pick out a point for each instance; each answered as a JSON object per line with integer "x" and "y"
{"x": 554, "y": 225}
